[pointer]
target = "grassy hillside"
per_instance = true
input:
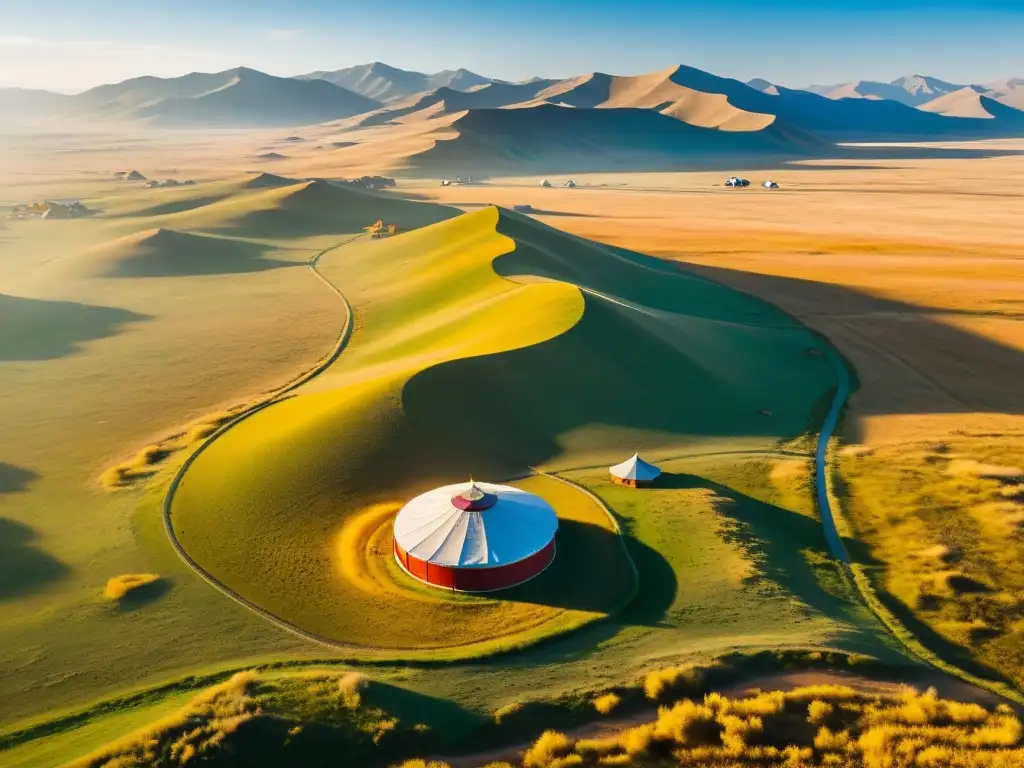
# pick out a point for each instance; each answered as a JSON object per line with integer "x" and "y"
{"x": 483, "y": 345}
{"x": 288, "y": 486}
{"x": 728, "y": 553}
{"x": 126, "y": 327}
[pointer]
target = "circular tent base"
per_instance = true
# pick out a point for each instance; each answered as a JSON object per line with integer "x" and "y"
{"x": 476, "y": 579}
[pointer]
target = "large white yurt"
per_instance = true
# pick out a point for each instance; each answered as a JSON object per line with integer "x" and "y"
{"x": 634, "y": 472}
{"x": 475, "y": 537}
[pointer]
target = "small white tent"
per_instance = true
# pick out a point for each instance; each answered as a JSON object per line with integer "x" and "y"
{"x": 770, "y": 184}
{"x": 545, "y": 183}
{"x": 634, "y": 471}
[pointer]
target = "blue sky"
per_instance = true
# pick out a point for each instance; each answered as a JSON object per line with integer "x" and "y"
{"x": 70, "y": 45}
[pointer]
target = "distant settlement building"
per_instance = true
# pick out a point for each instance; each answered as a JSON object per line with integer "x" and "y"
{"x": 475, "y": 537}
{"x": 634, "y": 472}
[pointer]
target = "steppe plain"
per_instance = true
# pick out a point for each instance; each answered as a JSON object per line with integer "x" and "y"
{"x": 910, "y": 266}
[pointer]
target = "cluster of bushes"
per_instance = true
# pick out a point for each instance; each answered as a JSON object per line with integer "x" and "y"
{"x": 825, "y": 725}
{"x": 250, "y": 720}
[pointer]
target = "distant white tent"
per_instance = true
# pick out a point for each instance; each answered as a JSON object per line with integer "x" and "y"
{"x": 570, "y": 184}
{"x": 770, "y": 184}
{"x": 634, "y": 471}
{"x": 545, "y": 183}
{"x": 736, "y": 181}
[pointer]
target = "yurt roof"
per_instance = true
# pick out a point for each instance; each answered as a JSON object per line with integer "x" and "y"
{"x": 635, "y": 468}
{"x": 511, "y": 525}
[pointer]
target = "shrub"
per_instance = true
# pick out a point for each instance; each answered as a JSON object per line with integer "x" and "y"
{"x": 603, "y": 746}
{"x": 637, "y": 740}
{"x": 606, "y": 703}
{"x": 687, "y": 723}
{"x": 818, "y": 711}
{"x": 549, "y": 746}
{"x": 119, "y": 586}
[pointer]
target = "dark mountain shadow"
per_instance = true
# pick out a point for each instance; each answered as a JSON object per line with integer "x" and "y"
{"x": 904, "y": 358}
{"x": 24, "y": 568}
{"x": 15, "y": 479}
{"x": 39, "y": 329}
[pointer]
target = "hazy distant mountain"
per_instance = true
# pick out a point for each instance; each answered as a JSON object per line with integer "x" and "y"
{"x": 1009, "y": 92}
{"x": 235, "y": 97}
{"x": 18, "y": 105}
{"x": 388, "y": 84}
{"x": 931, "y": 94}
{"x": 967, "y": 102}
{"x": 912, "y": 90}
{"x": 765, "y": 86}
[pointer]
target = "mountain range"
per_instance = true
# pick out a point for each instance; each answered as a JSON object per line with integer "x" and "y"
{"x": 926, "y": 92}
{"x": 388, "y": 84}
{"x": 235, "y": 97}
{"x": 672, "y": 116}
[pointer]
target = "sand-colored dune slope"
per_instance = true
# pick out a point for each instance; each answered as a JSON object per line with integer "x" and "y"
{"x": 968, "y": 102}
{"x": 659, "y": 92}
{"x": 483, "y": 345}
{"x": 551, "y": 139}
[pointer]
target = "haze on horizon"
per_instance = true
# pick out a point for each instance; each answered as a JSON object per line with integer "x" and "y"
{"x": 70, "y": 46}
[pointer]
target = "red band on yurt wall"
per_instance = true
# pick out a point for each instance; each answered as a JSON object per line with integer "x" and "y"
{"x": 476, "y": 579}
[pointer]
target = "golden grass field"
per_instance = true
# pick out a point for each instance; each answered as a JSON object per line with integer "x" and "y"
{"x": 910, "y": 267}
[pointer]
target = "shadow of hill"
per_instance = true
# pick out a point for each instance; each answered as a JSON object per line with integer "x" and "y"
{"x": 658, "y": 356}
{"x": 15, "y": 479}
{"x": 905, "y": 358}
{"x": 39, "y": 329}
{"x": 773, "y": 539}
{"x": 24, "y": 568}
{"x": 176, "y": 206}
{"x": 167, "y": 253}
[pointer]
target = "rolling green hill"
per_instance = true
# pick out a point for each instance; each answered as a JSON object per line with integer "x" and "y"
{"x": 484, "y": 345}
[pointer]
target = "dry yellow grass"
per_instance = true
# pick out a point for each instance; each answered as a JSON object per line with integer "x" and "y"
{"x": 120, "y": 586}
{"x": 840, "y": 727}
{"x": 944, "y": 519}
{"x": 606, "y": 703}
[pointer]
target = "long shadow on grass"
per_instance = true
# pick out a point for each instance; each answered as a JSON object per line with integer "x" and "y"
{"x": 24, "y": 568}
{"x": 169, "y": 253}
{"x": 37, "y": 329}
{"x": 774, "y": 540}
{"x": 143, "y": 595}
{"x": 906, "y": 359}
{"x": 15, "y": 479}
